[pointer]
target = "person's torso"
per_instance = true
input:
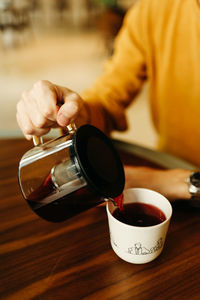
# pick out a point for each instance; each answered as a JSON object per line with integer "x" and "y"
{"x": 173, "y": 62}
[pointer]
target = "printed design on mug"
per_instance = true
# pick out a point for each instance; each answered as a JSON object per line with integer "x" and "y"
{"x": 112, "y": 240}
{"x": 139, "y": 249}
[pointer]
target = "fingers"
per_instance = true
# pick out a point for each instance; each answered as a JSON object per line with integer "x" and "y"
{"x": 25, "y": 123}
{"x": 45, "y": 96}
{"x": 45, "y": 106}
{"x": 37, "y": 115}
{"x": 37, "y": 109}
{"x": 69, "y": 111}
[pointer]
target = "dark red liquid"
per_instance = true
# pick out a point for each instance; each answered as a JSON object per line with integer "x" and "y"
{"x": 64, "y": 207}
{"x": 46, "y": 188}
{"x": 119, "y": 201}
{"x": 139, "y": 214}
{"x": 67, "y": 206}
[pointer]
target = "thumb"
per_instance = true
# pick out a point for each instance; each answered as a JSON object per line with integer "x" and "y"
{"x": 69, "y": 111}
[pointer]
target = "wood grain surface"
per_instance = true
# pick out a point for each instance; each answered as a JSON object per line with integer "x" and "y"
{"x": 74, "y": 259}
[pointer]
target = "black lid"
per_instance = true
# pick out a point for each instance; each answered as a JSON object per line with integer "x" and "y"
{"x": 99, "y": 162}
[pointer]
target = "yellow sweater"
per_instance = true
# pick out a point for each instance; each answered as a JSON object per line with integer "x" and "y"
{"x": 159, "y": 41}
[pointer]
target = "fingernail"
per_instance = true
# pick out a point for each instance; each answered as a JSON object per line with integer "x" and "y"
{"x": 71, "y": 107}
{"x": 28, "y": 137}
{"x": 62, "y": 120}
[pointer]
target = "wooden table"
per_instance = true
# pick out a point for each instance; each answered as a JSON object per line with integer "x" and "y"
{"x": 74, "y": 259}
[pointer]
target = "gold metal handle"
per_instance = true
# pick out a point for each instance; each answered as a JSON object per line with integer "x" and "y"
{"x": 37, "y": 141}
{"x": 71, "y": 128}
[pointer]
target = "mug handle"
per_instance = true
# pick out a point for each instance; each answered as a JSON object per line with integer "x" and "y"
{"x": 37, "y": 141}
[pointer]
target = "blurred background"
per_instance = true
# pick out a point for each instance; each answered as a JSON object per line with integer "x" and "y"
{"x": 66, "y": 42}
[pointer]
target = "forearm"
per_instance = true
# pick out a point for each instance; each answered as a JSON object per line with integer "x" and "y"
{"x": 171, "y": 183}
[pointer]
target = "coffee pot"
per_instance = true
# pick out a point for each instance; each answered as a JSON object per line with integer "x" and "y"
{"x": 70, "y": 174}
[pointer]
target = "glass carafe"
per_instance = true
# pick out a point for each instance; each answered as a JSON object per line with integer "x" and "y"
{"x": 71, "y": 173}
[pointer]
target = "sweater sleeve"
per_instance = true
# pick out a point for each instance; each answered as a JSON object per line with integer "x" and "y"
{"x": 123, "y": 76}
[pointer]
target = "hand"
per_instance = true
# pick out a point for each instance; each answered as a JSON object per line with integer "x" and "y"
{"x": 47, "y": 105}
{"x": 170, "y": 183}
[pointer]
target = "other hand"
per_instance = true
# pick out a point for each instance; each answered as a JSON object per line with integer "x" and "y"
{"x": 170, "y": 183}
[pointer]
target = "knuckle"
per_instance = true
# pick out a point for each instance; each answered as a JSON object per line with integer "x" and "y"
{"x": 78, "y": 97}
{"x": 39, "y": 122}
{"x": 25, "y": 95}
{"x": 75, "y": 97}
{"x": 48, "y": 112}
{"x": 40, "y": 84}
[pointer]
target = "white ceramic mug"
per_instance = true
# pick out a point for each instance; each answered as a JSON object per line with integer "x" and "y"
{"x": 139, "y": 244}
